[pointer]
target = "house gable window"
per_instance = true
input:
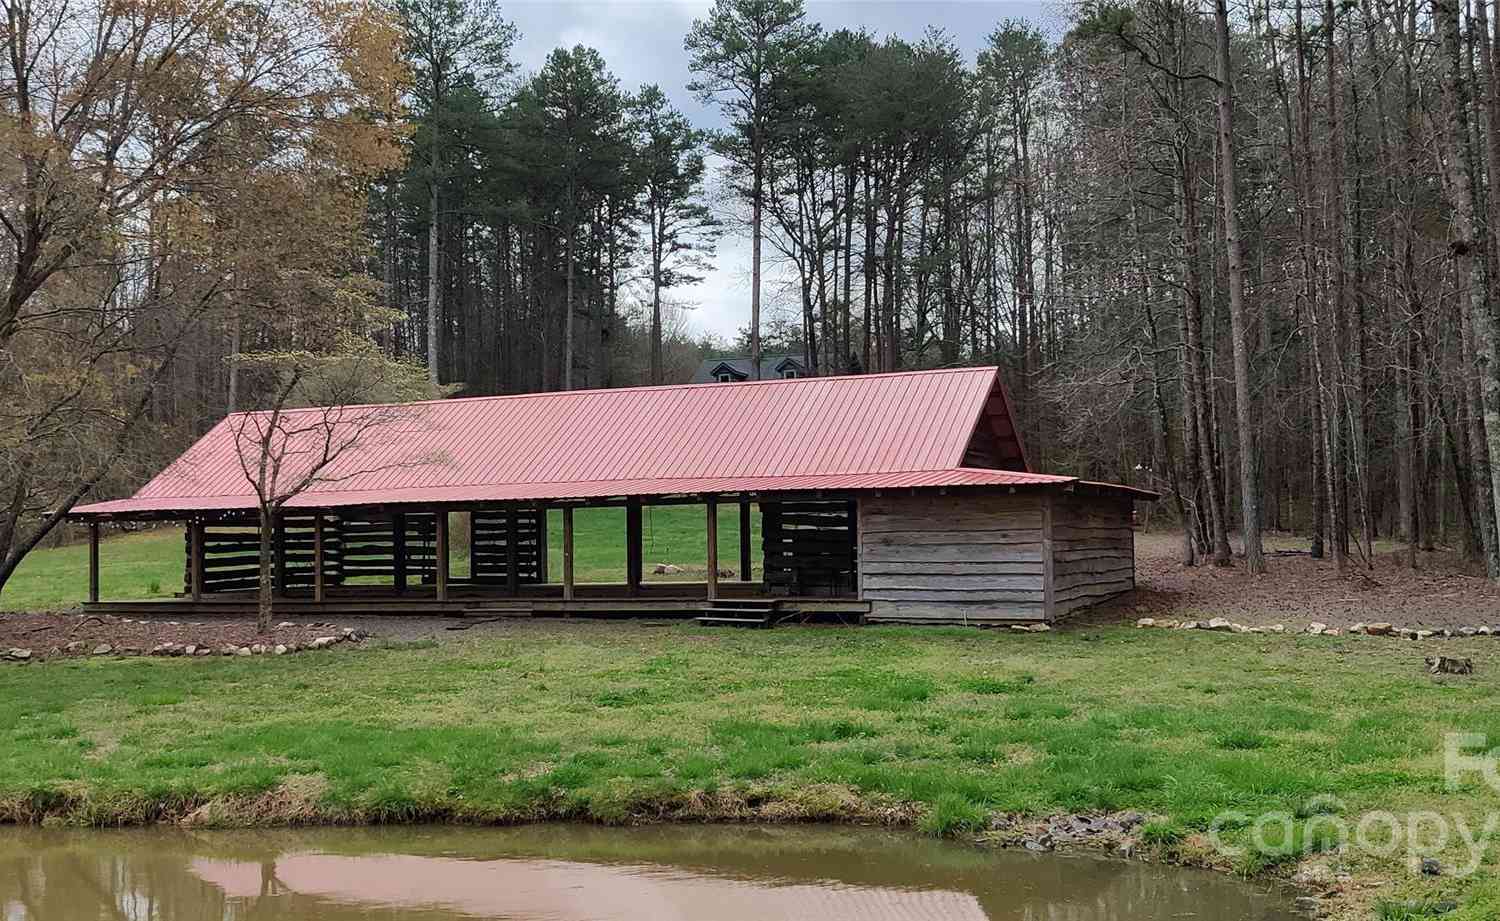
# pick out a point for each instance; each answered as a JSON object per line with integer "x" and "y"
{"x": 726, "y": 373}
{"x": 789, "y": 369}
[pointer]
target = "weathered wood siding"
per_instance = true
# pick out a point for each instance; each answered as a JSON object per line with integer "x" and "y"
{"x": 1093, "y": 551}
{"x": 953, "y": 559}
{"x": 992, "y": 559}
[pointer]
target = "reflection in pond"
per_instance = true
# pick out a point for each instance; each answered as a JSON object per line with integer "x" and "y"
{"x": 585, "y": 873}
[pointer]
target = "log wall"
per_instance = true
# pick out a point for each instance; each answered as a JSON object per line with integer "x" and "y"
{"x": 809, "y": 548}
{"x": 1093, "y": 551}
{"x": 491, "y": 555}
{"x": 952, "y": 559}
{"x": 377, "y": 546}
{"x": 976, "y": 558}
{"x": 231, "y": 555}
{"x": 354, "y": 548}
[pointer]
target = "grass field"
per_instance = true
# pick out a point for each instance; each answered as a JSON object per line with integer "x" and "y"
{"x": 149, "y": 564}
{"x": 146, "y": 564}
{"x": 619, "y": 721}
{"x": 945, "y": 728}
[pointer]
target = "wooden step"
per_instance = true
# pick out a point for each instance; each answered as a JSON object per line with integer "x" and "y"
{"x": 725, "y": 619}
{"x": 742, "y": 604}
{"x": 738, "y": 612}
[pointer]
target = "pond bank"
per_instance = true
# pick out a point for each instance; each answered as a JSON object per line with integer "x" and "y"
{"x": 944, "y": 729}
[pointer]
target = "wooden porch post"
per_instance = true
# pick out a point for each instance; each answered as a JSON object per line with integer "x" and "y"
{"x": 512, "y": 552}
{"x": 398, "y": 551}
{"x": 745, "y": 540}
{"x": 541, "y": 544}
{"x": 442, "y": 554}
{"x": 278, "y": 547}
{"x": 318, "y": 558}
{"x": 713, "y": 548}
{"x": 567, "y": 516}
{"x": 195, "y": 561}
{"x": 94, "y": 562}
{"x": 633, "y": 546}
{"x": 473, "y": 569}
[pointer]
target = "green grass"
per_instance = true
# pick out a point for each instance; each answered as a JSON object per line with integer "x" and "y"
{"x": 145, "y": 564}
{"x": 673, "y": 534}
{"x": 941, "y": 727}
{"x": 150, "y": 564}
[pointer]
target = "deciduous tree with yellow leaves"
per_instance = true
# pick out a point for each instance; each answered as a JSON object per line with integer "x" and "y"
{"x": 179, "y": 180}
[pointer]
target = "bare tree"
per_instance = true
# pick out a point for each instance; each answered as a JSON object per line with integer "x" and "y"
{"x": 285, "y": 451}
{"x": 138, "y": 138}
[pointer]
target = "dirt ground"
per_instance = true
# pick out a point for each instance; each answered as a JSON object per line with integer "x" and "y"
{"x": 1442, "y": 592}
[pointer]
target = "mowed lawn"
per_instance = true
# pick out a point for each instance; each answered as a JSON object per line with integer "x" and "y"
{"x": 150, "y": 564}
{"x": 144, "y": 564}
{"x": 619, "y": 721}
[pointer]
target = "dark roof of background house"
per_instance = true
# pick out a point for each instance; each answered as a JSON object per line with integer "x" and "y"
{"x": 771, "y": 367}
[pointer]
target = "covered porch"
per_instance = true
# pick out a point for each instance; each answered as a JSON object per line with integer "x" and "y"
{"x": 788, "y": 555}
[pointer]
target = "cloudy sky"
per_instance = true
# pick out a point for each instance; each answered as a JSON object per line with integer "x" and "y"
{"x": 642, "y": 42}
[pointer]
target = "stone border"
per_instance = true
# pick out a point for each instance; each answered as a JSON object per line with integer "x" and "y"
{"x": 79, "y": 648}
{"x": 1222, "y": 625}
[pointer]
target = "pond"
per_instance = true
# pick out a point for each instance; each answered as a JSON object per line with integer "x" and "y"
{"x": 575, "y": 872}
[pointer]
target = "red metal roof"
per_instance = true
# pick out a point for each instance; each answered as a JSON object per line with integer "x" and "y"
{"x": 858, "y": 432}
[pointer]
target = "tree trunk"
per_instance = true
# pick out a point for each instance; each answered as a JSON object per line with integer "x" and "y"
{"x": 756, "y": 206}
{"x": 656, "y": 261}
{"x": 568, "y": 311}
{"x": 266, "y": 589}
{"x": 1196, "y": 377}
{"x": 434, "y": 281}
{"x": 233, "y": 396}
{"x": 1229, "y": 196}
{"x": 1469, "y": 253}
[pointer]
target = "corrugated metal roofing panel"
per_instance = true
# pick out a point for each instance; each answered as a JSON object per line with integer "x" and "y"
{"x": 836, "y": 431}
{"x": 595, "y": 489}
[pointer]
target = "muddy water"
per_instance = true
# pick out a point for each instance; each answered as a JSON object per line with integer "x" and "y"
{"x": 581, "y": 873}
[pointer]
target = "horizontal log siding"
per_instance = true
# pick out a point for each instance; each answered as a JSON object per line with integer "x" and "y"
{"x": 952, "y": 559}
{"x": 1093, "y": 551}
{"x": 489, "y": 553}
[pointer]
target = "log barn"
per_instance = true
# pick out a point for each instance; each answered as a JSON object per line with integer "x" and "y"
{"x": 903, "y": 497}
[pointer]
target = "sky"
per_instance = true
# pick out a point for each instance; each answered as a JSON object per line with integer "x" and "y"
{"x": 641, "y": 41}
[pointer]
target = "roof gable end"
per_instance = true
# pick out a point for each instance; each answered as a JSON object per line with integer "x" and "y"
{"x": 995, "y": 441}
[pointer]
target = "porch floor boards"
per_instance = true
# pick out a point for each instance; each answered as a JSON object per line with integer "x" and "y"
{"x": 660, "y": 599}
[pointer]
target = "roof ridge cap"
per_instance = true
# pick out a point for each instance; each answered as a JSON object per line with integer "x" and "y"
{"x": 801, "y": 381}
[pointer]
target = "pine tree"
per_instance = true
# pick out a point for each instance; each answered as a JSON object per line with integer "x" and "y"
{"x": 682, "y": 231}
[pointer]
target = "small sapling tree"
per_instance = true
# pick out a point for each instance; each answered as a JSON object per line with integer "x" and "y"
{"x": 330, "y": 418}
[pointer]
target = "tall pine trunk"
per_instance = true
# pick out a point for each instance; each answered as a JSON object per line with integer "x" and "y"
{"x": 757, "y": 193}
{"x": 1239, "y": 332}
{"x": 1469, "y": 254}
{"x": 1195, "y": 389}
{"x": 434, "y": 281}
